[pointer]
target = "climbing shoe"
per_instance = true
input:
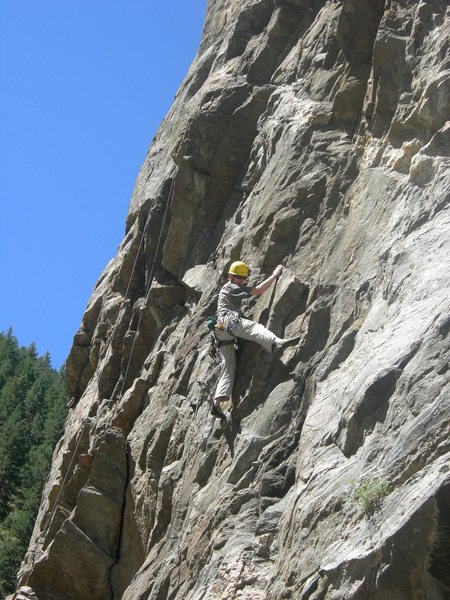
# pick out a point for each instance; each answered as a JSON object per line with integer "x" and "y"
{"x": 217, "y": 412}
{"x": 285, "y": 343}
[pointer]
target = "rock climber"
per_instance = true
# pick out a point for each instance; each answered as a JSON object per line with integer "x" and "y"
{"x": 231, "y": 325}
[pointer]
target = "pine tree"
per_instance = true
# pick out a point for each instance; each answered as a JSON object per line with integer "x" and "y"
{"x": 33, "y": 400}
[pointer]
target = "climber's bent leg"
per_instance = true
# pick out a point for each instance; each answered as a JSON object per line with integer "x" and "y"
{"x": 249, "y": 330}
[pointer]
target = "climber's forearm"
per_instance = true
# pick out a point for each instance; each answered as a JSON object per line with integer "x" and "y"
{"x": 259, "y": 289}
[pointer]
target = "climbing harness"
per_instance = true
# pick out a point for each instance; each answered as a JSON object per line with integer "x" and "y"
{"x": 215, "y": 344}
{"x": 229, "y": 320}
{"x": 213, "y": 350}
{"x": 225, "y": 323}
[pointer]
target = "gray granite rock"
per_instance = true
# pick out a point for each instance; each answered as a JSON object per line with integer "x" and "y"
{"x": 314, "y": 134}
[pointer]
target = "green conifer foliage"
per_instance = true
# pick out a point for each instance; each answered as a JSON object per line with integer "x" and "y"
{"x": 33, "y": 400}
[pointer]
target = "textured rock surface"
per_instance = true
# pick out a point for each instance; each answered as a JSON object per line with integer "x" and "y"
{"x": 313, "y": 134}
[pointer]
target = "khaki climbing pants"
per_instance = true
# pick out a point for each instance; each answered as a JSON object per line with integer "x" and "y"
{"x": 246, "y": 330}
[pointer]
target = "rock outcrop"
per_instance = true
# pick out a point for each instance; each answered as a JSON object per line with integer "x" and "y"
{"x": 312, "y": 133}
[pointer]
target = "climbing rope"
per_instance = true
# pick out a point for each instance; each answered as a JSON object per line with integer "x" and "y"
{"x": 133, "y": 269}
{"x": 55, "y": 505}
{"x": 150, "y": 280}
{"x": 168, "y": 200}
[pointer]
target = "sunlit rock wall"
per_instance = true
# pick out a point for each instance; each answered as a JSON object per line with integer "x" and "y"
{"x": 315, "y": 134}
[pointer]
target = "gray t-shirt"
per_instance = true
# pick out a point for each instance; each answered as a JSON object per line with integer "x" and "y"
{"x": 231, "y": 296}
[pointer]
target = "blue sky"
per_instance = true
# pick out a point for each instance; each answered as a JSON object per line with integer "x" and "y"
{"x": 84, "y": 86}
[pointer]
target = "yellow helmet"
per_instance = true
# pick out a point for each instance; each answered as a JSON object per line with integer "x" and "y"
{"x": 239, "y": 269}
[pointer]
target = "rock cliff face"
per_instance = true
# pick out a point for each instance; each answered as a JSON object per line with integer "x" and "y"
{"x": 312, "y": 133}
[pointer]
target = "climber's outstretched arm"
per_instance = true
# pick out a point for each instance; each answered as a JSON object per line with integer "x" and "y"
{"x": 257, "y": 290}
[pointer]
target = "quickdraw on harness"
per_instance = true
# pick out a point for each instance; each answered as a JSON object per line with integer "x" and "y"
{"x": 223, "y": 323}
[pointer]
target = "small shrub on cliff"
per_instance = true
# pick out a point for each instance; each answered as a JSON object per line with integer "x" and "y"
{"x": 369, "y": 493}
